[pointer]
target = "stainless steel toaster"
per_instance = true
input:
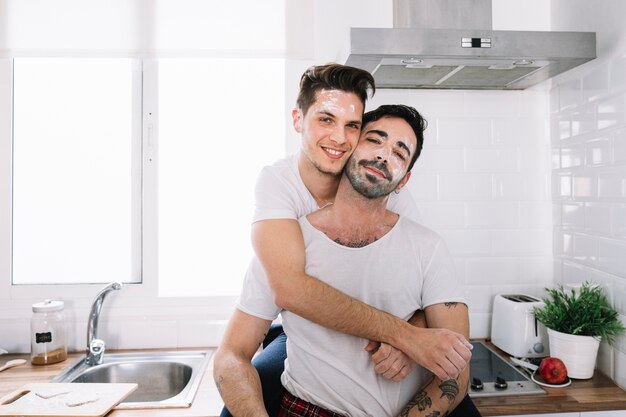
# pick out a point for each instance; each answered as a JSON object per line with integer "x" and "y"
{"x": 514, "y": 328}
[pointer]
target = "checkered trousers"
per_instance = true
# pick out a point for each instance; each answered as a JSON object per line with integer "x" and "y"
{"x": 292, "y": 406}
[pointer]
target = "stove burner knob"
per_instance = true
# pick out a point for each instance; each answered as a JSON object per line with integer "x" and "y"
{"x": 500, "y": 383}
{"x": 477, "y": 384}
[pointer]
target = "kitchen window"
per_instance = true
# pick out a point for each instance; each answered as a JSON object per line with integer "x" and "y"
{"x": 141, "y": 170}
{"x": 76, "y": 171}
{"x": 130, "y": 152}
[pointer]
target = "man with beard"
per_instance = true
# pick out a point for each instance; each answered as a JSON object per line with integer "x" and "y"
{"x": 375, "y": 256}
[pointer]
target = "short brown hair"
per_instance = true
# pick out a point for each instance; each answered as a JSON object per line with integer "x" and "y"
{"x": 333, "y": 77}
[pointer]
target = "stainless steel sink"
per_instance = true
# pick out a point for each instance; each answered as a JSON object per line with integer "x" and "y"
{"x": 165, "y": 379}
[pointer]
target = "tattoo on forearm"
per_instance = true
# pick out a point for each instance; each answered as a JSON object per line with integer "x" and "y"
{"x": 450, "y": 304}
{"x": 421, "y": 399}
{"x": 434, "y": 414}
{"x": 449, "y": 389}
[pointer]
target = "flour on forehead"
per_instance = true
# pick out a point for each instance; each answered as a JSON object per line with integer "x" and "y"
{"x": 330, "y": 100}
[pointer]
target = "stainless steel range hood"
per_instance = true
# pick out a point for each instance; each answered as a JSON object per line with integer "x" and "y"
{"x": 449, "y": 44}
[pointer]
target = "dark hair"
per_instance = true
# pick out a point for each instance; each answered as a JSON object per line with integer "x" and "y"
{"x": 333, "y": 77}
{"x": 408, "y": 114}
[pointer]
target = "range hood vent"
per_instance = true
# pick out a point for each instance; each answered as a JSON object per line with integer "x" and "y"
{"x": 449, "y": 44}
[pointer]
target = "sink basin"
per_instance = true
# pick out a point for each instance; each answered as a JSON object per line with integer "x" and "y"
{"x": 165, "y": 379}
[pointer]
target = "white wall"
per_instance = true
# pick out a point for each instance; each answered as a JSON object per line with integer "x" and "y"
{"x": 588, "y": 140}
{"x": 511, "y": 15}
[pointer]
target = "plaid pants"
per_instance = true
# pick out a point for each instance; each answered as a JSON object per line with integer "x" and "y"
{"x": 292, "y": 406}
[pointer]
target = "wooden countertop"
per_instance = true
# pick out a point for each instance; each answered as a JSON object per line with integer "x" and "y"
{"x": 597, "y": 394}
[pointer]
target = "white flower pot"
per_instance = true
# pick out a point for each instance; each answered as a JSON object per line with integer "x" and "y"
{"x": 578, "y": 353}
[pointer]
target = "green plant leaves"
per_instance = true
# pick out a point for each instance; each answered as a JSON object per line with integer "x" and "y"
{"x": 586, "y": 312}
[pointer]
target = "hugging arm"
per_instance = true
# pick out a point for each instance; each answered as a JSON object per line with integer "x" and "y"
{"x": 390, "y": 362}
{"x": 236, "y": 378}
{"x": 440, "y": 396}
{"x": 279, "y": 246}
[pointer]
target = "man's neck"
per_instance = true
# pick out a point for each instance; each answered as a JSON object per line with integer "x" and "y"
{"x": 354, "y": 220}
{"x": 351, "y": 206}
{"x": 322, "y": 186}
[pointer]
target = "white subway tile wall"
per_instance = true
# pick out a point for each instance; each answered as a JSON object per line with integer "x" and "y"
{"x": 173, "y": 324}
{"x": 619, "y": 374}
{"x": 588, "y": 139}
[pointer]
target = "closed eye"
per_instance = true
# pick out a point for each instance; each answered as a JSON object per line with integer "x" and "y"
{"x": 400, "y": 155}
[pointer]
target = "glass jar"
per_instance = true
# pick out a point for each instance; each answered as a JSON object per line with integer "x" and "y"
{"x": 47, "y": 327}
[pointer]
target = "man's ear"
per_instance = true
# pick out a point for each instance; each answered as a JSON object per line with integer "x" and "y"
{"x": 402, "y": 183}
{"x": 296, "y": 116}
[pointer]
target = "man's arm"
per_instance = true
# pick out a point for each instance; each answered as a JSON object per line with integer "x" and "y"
{"x": 390, "y": 362}
{"x": 280, "y": 248}
{"x": 236, "y": 379}
{"x": 439, "y": 397}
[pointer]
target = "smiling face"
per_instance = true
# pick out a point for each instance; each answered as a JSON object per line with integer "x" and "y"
{"x": 379, "y": 163}
{"x": 330, "y": 129}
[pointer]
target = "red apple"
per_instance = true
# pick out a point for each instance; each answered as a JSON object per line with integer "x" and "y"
{"x": 552, "y": 370}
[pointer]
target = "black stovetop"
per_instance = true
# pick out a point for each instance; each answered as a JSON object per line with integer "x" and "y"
{"x": 496, "y": 376}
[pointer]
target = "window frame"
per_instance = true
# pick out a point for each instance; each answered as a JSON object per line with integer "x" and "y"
{"x": 145, "y": 141}
{"x": 134, "y": 65}
{"x": 136, "y": 299}
{"x": 144, "y": 101}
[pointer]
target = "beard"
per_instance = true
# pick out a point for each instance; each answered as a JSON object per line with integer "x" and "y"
{"x": 370, "y": 185}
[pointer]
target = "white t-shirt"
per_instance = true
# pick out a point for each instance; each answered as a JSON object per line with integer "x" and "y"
{"x": 281, "y": 194}
{"x": 408, "y": 269}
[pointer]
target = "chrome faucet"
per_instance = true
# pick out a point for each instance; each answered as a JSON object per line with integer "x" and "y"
{"x": 95, "y": 346}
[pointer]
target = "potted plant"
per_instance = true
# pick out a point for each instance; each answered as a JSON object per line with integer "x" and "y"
{"x": 577, "y": 320}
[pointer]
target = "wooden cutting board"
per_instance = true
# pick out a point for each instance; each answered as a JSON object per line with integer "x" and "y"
{"x": 67, "y": 400}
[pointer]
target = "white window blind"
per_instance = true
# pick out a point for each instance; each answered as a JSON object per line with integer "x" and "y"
{"x": 221, "y": 27}
{"x": 144, "y": 27}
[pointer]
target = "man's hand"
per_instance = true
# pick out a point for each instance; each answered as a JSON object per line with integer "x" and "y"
{"x": 443, "y": 352}
{"x": 389, "y": 362}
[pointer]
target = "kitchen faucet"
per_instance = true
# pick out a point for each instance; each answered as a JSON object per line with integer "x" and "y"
{"x": 95, "y": 346}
